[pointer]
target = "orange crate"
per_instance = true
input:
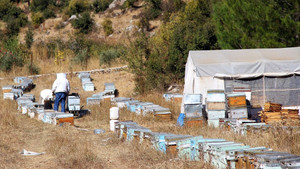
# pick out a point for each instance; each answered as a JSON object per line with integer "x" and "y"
{"x": 171, "y": 149}
{"x": 194, "y": 123}
{"x": 237, "y": 101}
{"x": 66, "y": 120}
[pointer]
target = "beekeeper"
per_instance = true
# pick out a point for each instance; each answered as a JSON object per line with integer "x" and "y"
{"x": 61, "y": 89}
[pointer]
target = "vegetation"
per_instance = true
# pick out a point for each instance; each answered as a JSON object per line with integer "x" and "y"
{"x": 11, "y": 55}
{"x": 101, "y": 5}
{"x": 159, "y": 60}
{"x": 107, "y": 27}
{"x": 13, "y": 16}
{"x": 257, "y": 24}
{"x": 165, "y": 55}
{"x": 83, "y": 23}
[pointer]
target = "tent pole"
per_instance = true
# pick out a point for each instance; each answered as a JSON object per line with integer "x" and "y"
{"x": 264, "y": 90}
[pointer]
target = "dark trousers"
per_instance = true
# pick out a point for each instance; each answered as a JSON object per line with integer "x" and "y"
{"x": 60, "y": 97}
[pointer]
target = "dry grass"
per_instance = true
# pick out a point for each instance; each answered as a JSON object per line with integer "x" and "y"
{"x": 71, "y": 147}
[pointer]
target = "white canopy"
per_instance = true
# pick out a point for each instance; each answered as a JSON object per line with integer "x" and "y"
{"x": 206, "y": 69}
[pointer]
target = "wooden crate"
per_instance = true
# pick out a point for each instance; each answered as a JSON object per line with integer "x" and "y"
{"x": 237, "y": 101}
{"x": 272, "y": 107}
{"x": 216, "y": 106}
{"x": 177, "y": 99}
{"x": 194, "y": 123}
{"x": 172, "y": 150}
{"x": 165, "y": 117}
{"x": 65, "y": 120}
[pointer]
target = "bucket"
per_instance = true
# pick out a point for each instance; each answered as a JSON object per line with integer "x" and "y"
{"x": 114, "y": 113}
{"x": 24, "y": 109}
{"x": 112, "y": 124}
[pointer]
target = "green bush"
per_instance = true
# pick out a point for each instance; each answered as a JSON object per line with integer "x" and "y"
{"x": 84, "y": 23}
{"x": 29, "y": 38}
{"x": 37, "y": 18}
{"x": 82, "y": 57}
{"x": 129, "y": 3}
{"x": 11, "y": 55}
{"x": 77, "y": 7}
{"x": 13, "y": 25}
{"x": 107, "y": 56}
{"x": 5, "y": 5}
{"x": 107, "y": 27}
{"x": 49, "y": 13}
{"x": 101, "y": 5}
{"x": 41, "y": 5}
{"x": 33, "y": 68}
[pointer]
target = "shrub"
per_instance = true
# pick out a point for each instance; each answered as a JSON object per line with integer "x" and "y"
{"x": 33, "y": 68}
{"x": 107, "y": 56}
{"x": 11, "y": 55}
{"x": 49, "y": 13}
{"x": 29, "y": 38}
{"x": 107, "y": 27}
{"x": 82, "y": 57}
{"x": 12, "y": 13}
{"x": 129, "y": 3}
{"x": 59, "y": 25}
{"x": 40, "y": 5}
{"x": 101, "y": 5}
{"x": 77, "y": 7}
{"x": 5, "y": 5}
{"x": 38, "y": 18}
{"x": 13, "y": 25}
{"x": 84, "y": 23}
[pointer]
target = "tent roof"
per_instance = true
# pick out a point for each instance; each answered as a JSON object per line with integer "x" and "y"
{"x": 253, "y": 62}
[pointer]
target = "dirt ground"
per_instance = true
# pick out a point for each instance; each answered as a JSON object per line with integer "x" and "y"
{"x": 78, "y": 147}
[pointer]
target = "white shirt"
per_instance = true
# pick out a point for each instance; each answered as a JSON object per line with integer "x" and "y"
{"x": 61, "y": 84}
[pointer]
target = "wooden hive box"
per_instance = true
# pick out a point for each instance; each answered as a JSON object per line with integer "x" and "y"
{"x": 197, "y": 122}
{"x": 165, "y": 117}
{"x": 65, "y": 120}
{"x": 172, "y": 150}
{"x": 216, "y": 106}
{"x": 236, "y": 100}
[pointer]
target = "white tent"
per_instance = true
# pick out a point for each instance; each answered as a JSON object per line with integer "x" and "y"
{"x": 207, "y": 69}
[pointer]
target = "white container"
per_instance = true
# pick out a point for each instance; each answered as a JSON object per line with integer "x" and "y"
{"x": 215, "y": 115}
{"x": 213, "y": 123}
{"x": 24, "y": 109}
{"x": 114, "y": 113}
{"x": 31, "y": 114}
{"x": 215, "y": 97}
{"x": 238, "y": 113}
{"x": 112, "y": 124}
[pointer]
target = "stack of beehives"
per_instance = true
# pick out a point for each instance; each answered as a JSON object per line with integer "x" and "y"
{"x": 192, "y": 104}
{"x": 220, "y": 153}
{"x": 237, "y": 106}
{"x": 273, "y": 113}
{"x": 215, "y": 107}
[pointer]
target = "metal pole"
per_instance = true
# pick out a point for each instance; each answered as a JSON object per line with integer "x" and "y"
{"x": 264, "y": 90}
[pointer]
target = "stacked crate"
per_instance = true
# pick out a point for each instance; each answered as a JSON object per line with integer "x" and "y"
{"x": 215, "y": 107}
{"x": 237, "y": 107}
{"x": 86, "y": 81}
{"x": 274, "y": 113}
{"x": 193, "y": 110}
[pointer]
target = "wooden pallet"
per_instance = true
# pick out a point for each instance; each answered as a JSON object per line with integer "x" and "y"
{"x": 272, "y": 107}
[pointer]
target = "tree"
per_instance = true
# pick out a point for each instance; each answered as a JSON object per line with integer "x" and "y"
{"x": 83, "y": 23}
{"x": 165, "y": 58}
{"x": 29, "y": 38}
{"x": 256, "y": 23}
